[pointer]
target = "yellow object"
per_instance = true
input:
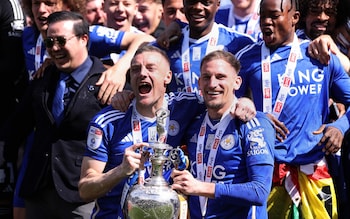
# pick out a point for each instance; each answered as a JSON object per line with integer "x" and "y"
{"x": 183, "y": 207}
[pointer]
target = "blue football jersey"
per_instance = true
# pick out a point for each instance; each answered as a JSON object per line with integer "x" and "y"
{"x": 228, "y": 40}
{"x": 30, "y": 49}
{"x": 243, "y": 146}
{"x": 306, "y": 106}
{"x": 112, "y": 134}
{"x": 249, "y": 25}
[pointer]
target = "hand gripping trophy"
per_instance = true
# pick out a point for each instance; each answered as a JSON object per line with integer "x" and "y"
{"x": 154, "y": 199}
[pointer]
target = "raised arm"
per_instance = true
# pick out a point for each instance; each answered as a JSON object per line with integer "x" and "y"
{"x": 113, "y": 79}
{"x": 320, "y": 48}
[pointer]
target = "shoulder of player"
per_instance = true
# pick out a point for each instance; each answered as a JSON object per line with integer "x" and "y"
{"x": 224, "y": 30}
{"x": 30, "y": 35}
{"x": 252, "y": 50}
{"x": 180, "y": 97}
{"x": 108, "y": 115}
{"x": 260, "y": 120}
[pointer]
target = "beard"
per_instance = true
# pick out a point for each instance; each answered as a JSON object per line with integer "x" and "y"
{"x": 214, "y": 106}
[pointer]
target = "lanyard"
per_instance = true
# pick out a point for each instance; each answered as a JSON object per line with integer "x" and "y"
{"x": 286, "y": 79}
{"x": 137, "y": 129}
{"x": 137, "y": 138}
{"x": 205, "y": 175}
{"x": 186, "y": 59}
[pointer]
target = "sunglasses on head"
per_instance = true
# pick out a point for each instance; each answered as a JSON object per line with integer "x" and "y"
{"x": 61, "y": 41}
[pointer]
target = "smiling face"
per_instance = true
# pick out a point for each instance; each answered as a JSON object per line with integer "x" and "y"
{"x": 218, "y": 81}
{"x": 277, "y": 22}
{"x": 320, "y": 19}
{"x": 149, "y": 14}
{"x": 200, "y": 15}
{"x": 120, "y": 13}
{"x": 149, "y": 75}
{"x": 71, "y": 55}
{"x": 41, "y": 9}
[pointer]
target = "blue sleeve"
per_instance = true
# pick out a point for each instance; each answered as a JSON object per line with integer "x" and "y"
{"x": 342, "y": 123}
{"x": 104, "y": 40}
{"x": 255, "y": 192}
{"x": 340, "y": 91}
{"x": 339, "y": 84}
{"x": 259, "y": 143}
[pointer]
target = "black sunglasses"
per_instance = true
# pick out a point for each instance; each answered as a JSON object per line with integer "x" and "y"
{"x": 61, "y": 41}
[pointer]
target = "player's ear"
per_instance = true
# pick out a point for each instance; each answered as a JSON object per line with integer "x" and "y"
{"x": 168, "y": 76}
{"x": 237, "y": 82}
{"x": 295, "y": 18}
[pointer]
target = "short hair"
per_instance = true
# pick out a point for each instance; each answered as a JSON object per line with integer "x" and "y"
{"x": 81, "y": 26}
{"x": 223, "y": 55}
{"x": 149, "y": 48}
{"x": 294, "y": 4}
{"x": 73, "y": 5}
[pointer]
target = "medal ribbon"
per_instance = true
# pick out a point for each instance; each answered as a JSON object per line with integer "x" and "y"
{"x": 186, "y": 59}
{"x": 205, "y": 175}
{"x": 286, "y": 79}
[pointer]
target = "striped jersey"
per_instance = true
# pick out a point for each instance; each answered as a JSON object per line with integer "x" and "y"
{"x": 228, "y": 40}
{"x": 306, "y": 106}
{"x": 112, "y": 134}
{"x": 243, "y": 147}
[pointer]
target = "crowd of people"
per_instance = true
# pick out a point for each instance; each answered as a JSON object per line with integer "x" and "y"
{"x": 258, "y": 93}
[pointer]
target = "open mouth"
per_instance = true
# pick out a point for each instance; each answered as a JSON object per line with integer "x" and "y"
{"x": 267, "y": 32}
{"x": 42, "y": 20}
{"x": 60, "y": 56}
{"x": 197, "y": 17}
{"x": 120, "y": 19}
{"x": 267, "y": 35}
{"x": 142, "y": 26}
{"x": 213, "y": 92}
{"x": 320, "y": 27}
{"x": 145, "y": 88}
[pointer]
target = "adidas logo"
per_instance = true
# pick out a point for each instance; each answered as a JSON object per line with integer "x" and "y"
{"x": 31, "y": 51}
{"x": 176, "y": 55}
{"x": 127, "y": 138}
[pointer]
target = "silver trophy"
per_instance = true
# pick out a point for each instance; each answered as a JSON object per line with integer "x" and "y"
{"x": 154, "y": 199}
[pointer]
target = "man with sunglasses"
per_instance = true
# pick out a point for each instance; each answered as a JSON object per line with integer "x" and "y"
{"x": 103, "y": 41}
{"x": 50, "y": 183}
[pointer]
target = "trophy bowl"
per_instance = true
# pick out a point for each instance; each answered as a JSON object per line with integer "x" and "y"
{"x": 155, "y": 199}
